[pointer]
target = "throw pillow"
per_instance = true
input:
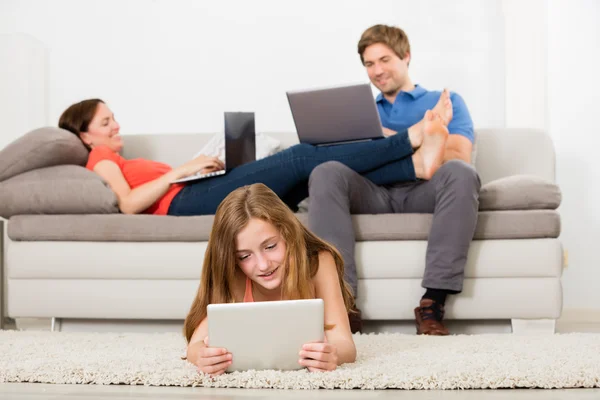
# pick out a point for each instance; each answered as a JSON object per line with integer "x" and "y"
{"x": 40, "y": 148}
{"x": 63, "y": 189}
{"x": 519, "y": 192}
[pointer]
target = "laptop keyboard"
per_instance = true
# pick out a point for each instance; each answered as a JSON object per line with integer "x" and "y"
{"x": 199, "y": 176}
{"x": 209, "y": 174}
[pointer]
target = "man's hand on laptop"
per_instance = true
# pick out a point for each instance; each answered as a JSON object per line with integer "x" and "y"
{"x": 387, "y": 131}
{"x": 201, "y": 164}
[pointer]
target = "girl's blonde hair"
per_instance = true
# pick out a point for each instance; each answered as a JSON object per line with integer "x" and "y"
{"x": 219, "y": 268}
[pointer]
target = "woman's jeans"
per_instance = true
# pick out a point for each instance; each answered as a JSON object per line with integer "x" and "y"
{"x": 383, "y": 161}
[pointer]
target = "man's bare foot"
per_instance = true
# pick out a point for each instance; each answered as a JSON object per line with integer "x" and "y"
{"x": 430, "y": 156}
{"x": 443, "y": 108}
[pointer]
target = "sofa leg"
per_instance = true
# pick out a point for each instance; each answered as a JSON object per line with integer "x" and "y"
{"x": 55, "y": 324}
{"x": 8, "y": 323}
{"x": 527, "y": 326}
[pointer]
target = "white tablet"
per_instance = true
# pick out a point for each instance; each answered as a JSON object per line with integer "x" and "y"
{"x": 267, "y": 334}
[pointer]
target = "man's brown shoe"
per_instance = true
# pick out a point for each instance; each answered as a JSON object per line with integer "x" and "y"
{"x": 355, "y": 318}
{"x": 429, "y": 316}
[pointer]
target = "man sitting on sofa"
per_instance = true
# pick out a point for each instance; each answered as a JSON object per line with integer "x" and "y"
{"x": 451, "y": 195}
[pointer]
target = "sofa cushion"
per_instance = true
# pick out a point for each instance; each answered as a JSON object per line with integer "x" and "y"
{"x": 43, "y": 147}
{"x": 519, "y": 192}
{"x": 525, "y": 258}
{"x": 157, "y": 228}
{"x": 63, "y": 189}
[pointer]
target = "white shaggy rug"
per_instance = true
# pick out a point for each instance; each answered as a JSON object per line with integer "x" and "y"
{"x": 384, "y": 361}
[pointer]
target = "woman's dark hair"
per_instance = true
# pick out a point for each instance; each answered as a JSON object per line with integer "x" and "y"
{"x": 77, "y": 118}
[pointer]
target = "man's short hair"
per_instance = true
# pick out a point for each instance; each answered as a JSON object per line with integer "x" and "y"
{"x": 391, "y": 36}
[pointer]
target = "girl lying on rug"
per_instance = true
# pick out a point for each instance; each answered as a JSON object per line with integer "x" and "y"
{"x": 281, "y": 260}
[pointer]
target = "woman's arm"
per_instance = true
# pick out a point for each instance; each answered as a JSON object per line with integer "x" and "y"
{"x": 142, "y": 197}
{"x": 327, "y": 287}
{"x": 139, "y": 199}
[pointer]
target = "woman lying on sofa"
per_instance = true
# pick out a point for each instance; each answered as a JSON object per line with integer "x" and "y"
{"x": 259, "y": 251}
{"x": 144, "y": 186}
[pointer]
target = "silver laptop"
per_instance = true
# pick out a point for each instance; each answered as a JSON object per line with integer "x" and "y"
{"x": 267, "y": 334}
{"x": 240, "y": 144}
{"x": 335, "y": 115}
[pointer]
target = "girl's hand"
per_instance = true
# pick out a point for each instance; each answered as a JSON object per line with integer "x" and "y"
{"x": 319, "y": 357}
{"x": 213, "y": 360}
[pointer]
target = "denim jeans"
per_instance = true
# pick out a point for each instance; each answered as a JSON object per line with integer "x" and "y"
{"x": 384, "y": 161}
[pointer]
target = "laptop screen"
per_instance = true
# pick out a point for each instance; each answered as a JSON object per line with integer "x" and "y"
{"x": 240, "y": 139}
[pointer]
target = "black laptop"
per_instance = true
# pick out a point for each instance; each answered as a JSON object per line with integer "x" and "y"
{"x": 240, "y": 144}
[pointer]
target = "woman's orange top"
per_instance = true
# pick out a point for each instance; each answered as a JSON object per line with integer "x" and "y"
{"x": 138, "y": 172}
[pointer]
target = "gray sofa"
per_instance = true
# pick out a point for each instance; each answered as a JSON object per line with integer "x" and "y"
{"x": 69, "y": 254}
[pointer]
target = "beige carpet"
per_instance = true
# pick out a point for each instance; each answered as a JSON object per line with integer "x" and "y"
{"x": 384, "y": 361}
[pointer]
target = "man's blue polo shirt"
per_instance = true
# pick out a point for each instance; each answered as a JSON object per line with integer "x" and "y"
{"x": 409, "y": 108}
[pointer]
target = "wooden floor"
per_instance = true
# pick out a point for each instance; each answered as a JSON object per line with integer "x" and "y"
{"x": 32, "y": 391}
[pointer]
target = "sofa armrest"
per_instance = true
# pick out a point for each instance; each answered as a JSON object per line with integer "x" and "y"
{"x": 2, "y": 273}
{"x": 519, "y": 192}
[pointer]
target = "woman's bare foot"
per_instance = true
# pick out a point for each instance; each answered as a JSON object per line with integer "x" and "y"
{"x": 443, "y": 108}
{"x": 430, "y": 156}
{"x": 415, "y": 134}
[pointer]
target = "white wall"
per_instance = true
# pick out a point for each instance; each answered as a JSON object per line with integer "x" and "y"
{"x": 573, "y": 117}
{"x": 525, "y": 63}
{"x": 23, "y": 86}
{"x": 175, "y": 66}
{"x": 552, "y": 82}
